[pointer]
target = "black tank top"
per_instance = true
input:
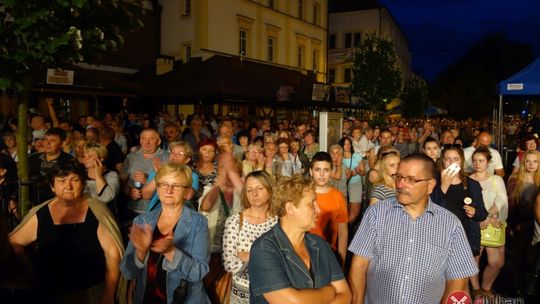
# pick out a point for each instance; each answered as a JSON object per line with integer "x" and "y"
{"x": 70, "y": 257}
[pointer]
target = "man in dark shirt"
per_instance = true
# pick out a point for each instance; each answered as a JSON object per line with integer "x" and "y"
{"x": 115, "y": 157}
{"x": 39, "y": 164}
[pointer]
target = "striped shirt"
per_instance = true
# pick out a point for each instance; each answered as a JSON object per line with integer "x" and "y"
{"x": 411, "y": 260}
{"x": 382, "y": 192}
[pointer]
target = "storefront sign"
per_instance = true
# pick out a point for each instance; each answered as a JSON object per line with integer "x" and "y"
{"x": 62, "y": 77}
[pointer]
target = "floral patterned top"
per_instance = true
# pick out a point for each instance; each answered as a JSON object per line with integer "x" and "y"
{"x": 206, "y": 180}
{"x": 234, "y": 241}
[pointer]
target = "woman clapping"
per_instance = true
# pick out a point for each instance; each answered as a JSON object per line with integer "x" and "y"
{"x": 168, "y": 248}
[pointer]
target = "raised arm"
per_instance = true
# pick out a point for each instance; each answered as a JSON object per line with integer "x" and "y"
{"x": 52, "y": 112}
{"x": 209, "y": 199}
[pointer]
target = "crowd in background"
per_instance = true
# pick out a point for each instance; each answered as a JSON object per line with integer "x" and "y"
{"x": 199, "y": 197}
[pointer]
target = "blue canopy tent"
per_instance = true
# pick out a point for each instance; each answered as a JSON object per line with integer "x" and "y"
{"x": 524, "y": 82}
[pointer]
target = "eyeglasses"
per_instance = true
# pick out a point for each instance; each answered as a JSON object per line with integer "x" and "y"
{"x": 175, "y": 187}
{"x": 409, "y": 180}
{"x": 178, "y": 153}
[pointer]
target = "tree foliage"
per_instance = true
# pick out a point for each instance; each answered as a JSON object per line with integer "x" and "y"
{"x": 415, "y": 97}
{"x": 37, "y": 33}
{"x": 377, "y": 76}
{"x": 468, "y": 87}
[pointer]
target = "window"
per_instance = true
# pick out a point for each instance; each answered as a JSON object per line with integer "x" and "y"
{"x": 348, "y": 40}
{"x": 301, "y": 9}
{"x": 353, "y": 39}
{"x": 271, "y": 3}
{"x": 315, "y": 60}
{"x": 187, "y": 52}
{"x": 271, "y": 46}
{"x": 332, "y": 41}
{"x": 347, "y": 75}
{"x": 272, "y": 42}
{"x": 243, "y": 42}
{"x": 187, "y": 7}
{"x": 331, "y": 75}
{"x": 315, "y": 13}
{"x": 301, "y": 50}
{"x": 357, "y": 39}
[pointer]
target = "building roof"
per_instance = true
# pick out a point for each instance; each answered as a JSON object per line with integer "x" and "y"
{"x": 89, "y": 82}
{"x": 222, "y": 78}
{"x": 340, "y": 6}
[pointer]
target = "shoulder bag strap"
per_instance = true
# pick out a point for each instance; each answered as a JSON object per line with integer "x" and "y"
{"x": 241, "y": 222}
{"x": 224, "y": 203}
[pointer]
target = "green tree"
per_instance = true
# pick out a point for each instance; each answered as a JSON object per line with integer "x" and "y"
{"x": 414, "y": 97}
{"x": 377, "y": 76}
{"x": 37, "y": 34}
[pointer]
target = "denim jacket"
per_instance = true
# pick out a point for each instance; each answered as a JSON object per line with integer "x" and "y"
{"x": 274, "y": 265}
{"x": 190, "y": 258}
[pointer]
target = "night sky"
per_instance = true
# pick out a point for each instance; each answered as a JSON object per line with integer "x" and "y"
{"x": 439, "y": 32}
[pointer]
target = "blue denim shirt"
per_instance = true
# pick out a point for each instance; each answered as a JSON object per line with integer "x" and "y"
{"x": 190, "y": 259}
{"x": 274, "y": 265}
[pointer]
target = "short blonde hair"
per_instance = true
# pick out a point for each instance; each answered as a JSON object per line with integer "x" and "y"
{"x": 289, "y": 189}
{"x": 176, "y": 170}
{"x": 100, "y": 149}
{"x": 188, "y": 151}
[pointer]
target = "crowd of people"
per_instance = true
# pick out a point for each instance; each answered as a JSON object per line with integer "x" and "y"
{"x": 201, "y": 209}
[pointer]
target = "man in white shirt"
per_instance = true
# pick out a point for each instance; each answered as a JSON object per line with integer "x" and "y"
{"x": 495, "y": 166}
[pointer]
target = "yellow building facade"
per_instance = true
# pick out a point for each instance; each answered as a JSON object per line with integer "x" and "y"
{"x": 286, "y": 33}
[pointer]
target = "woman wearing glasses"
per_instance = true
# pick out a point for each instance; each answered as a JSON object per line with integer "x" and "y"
{"x": 253, "y": 161}
{"x": 181, "y": 153}
{"x": 168, "y": 248}
{"x": 460, "y": 195}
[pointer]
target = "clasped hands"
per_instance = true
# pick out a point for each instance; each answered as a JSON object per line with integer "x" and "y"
{"x": 141, "y": 237}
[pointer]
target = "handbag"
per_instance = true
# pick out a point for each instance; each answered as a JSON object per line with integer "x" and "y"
{"x": 493, "y": 237}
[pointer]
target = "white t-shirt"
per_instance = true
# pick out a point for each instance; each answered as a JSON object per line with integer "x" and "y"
{"x": 494, "y": 164}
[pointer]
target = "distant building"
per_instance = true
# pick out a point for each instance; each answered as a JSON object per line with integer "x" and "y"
{"x": 288, "y": 35}
{"x": 239, "y": 57}
{"x": 350, "y": 21}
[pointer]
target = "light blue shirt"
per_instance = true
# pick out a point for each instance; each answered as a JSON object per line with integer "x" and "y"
{"x": 411, "y": 260}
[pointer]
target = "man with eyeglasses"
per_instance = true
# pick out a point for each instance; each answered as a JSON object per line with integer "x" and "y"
{"x": 408, "y": 249}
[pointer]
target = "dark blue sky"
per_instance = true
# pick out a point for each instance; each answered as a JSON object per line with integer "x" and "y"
{"x": 439, "y": 32}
